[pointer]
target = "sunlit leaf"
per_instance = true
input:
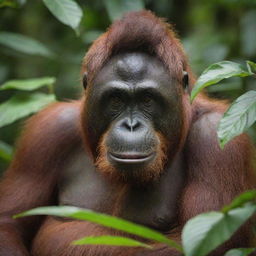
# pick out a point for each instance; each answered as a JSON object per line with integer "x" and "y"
{"x": 102, "y": 219}
{"x": 66, "y": 11}
{"x": 116, "y": 8}
{"x": 110, "y": 240}
{"x": 217, "y": 72}
{"x": 240, "y": 200}
{"x": 240, "y": 252}
{"x": 207, "y": 231}
{"x": 28, "y": 84}
{"x": 22, "y": 105}
{"x": 239, "y": 117}
{"x": 24, "y": 44}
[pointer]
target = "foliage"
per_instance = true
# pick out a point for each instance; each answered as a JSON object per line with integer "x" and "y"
{"x": 240, "y": 201}
{"x": 238, "y": 118}
{"x": 216, "y": 72}
{"x": 67, "y": 11}
{"x": 242, "y": 113}
{"x": 207, "y": 231}
{"x": 23, "y": 104}
{"x": 29, "y": 84}
{"x": 240, "y": 252}
{"x": 111, "y": 240}
{"x": 24, "y": 44}
{"x": 200, "y": 236}
{"x": 102, "y": 219}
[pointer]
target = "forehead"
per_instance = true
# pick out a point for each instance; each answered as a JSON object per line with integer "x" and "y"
{"x": 133, "y": 69}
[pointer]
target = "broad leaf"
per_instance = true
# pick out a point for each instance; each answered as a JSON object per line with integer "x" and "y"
{"x": 22, "y": 105}
{"x": 116, "y": 8}
{"x": 207, "y": 231}
{"x": 28, "y": 84}
{"x": 240, "y": 252}
{"x": 102, "y": 219}
{"x": 239, "y": 117}
{"x": 6, "y": 151}
{"x": 240, "y": 200}
{"x": 66, "y": 11}
{"x": 24, "y": 44}
{"x": 110, "y": 240}
{"x": 217, "y": 72}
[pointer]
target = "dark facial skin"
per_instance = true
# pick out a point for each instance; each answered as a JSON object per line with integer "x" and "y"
{"x": 132, "y": 98}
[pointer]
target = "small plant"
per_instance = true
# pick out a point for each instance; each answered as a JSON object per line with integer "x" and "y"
{"x": 242, "y": 113}
{"x": 25, "y": 101}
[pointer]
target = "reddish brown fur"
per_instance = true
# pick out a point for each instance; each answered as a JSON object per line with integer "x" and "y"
{"x": 213, "y": 177}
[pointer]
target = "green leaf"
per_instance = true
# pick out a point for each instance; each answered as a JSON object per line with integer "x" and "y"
{"x": 240, "y": 252}
{"x": 217, "y": 72}
{"x": 207, "y": 231}
{"x": 251, "y": 66}
{"x": 239, "y": 117}
{"x": 111, "y": 240}
{"x": 102, "y": 219}
{"x": 22, "y": 105}
{"x": 116, "y": 8}
{"x": 66, "y": 11}
{"x": 28, "y": 84}
{"x": 24, "y": 44}
{"x": 240, "y": 200}
{"x": 6, "y": 151}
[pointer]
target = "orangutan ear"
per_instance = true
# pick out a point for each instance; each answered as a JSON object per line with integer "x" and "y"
{"x": 185, "y": 80}
{"x": 85, "y": 80}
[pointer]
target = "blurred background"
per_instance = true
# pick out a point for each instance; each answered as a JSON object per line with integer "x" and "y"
{"x": 210, "y": 31}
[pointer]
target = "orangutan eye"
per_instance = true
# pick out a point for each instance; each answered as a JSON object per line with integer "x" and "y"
{"x": 147, "y": 101}
{"x": 115, "y": 103}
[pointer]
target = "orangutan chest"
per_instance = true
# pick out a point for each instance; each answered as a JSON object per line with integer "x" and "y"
{"x": 153, "y": 205}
